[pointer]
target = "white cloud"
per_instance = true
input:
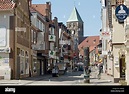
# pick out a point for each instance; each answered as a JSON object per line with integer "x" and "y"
{"x": 79, "y": 3}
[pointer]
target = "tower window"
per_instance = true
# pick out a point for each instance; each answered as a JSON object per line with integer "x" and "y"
{"x": 69, "y": 25}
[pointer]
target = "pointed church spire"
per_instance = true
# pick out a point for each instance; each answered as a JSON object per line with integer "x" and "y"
{"x": 74, "y": 16}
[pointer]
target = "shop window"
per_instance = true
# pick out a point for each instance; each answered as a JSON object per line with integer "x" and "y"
{"x": 22, "y": 62}
{"x": 122, "y": 66}
{"x": 21, "y": 66}
{"x": 34, "y": 65}
{"x": 26, "y": 62}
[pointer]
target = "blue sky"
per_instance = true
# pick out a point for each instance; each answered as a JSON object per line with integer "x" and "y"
{"x": 89, "y": 10}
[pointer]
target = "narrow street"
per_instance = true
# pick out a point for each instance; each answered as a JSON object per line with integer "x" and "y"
{"x": 70, "y": 78}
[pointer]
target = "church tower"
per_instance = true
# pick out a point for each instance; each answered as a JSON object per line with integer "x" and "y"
{"x": 75, "y": 24}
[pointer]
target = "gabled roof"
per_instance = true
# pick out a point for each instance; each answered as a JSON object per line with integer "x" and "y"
{"x": 74, "y": 16}
{"x": 90, "y": 41}
{"x": 81, "y": 39}
{"x": 6, "y": 5}
{"x": 41, "y": 8}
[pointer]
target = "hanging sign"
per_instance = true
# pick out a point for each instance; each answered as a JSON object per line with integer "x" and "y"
{"x": 121, "y": 12}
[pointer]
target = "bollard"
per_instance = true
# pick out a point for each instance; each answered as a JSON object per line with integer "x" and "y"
{"x": 86, "y": 76}
{"x": 86, "y": 79}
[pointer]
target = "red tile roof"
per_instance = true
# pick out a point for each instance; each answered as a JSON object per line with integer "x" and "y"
{"x": 41, "y": 8}
{"x": 6, "y": 5}
{"x": 90, "y": 41}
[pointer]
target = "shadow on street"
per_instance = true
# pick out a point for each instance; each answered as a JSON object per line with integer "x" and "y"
{"x": 69, "y": 76}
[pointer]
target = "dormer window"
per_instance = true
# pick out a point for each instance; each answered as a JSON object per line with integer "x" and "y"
{"x": 94, "y": 41}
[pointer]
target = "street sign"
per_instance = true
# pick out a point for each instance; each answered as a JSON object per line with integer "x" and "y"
{"x": 105, "y": 35}
{"x": 121, "y": 12}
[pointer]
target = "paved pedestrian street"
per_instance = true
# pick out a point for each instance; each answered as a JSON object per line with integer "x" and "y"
{"x": 70, "y": 78}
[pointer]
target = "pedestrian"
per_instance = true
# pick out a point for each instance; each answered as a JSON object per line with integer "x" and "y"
{"x": 89, "y": 69}
{"x": 100, "y": 67}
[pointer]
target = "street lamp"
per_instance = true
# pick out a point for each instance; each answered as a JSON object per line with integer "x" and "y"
{"x": 86, "y": 65}
{"x": 56, "y": 49}
{"x": 61, "y": 39}
{"x": 73, "y": 32}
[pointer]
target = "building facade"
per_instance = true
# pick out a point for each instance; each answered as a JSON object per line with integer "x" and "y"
{"x": 116, "y": 60}
{"x": 92, "y": 42}
{"x": 126, "y": 51}
{"x": 16, "y": 38}
{"x": 75, "y": 25}
{"x": 39, "y": 58}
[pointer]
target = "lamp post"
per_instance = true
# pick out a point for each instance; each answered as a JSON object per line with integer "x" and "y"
{"x": 73, "y": 32}
{"x": 61, "y": 38}
{"x": 86, "y": 65}
{"x": 56, "y": 49}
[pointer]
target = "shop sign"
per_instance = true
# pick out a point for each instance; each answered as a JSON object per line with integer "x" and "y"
{"x": 121, "y": 12}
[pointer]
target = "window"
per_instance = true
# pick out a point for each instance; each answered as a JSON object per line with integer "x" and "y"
{"x": 51, "y": 46}
{"x": 22, "y": 62}
{"x": 34, "y": 65}
{"x": 32, "y": 36}
{"x": 26, "y": 62}
{"x": 51, "y": 30}
{"x": 3, "y": 36}
{"x": 40, "y": 25}
{"x": 71, "y": 24}
{"x": 37, "y": 23}
{"x": 94, "y": 41}
{"x": 43, "y": 27}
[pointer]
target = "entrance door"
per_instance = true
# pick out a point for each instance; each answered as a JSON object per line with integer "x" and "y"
{"x": 41, "y": 67}
{"x": 18, "y": 67}
{"x": 122, "y": 66}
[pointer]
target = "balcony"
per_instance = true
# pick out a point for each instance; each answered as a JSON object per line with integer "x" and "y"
{"x": 38, "y": 46}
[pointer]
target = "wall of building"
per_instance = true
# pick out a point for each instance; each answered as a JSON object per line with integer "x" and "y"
{"x": 4, "y": 28}
{"x": 109, "y": 66}
{"x": 118, "y": 30}
{"x": 116, "y": 62}
{"x": 127, "y": 49}
{"x": 116, "y": 50}
{"x": 127, "y": 68}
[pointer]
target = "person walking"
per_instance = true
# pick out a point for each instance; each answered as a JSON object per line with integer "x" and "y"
{"x": 100, "y": 67}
